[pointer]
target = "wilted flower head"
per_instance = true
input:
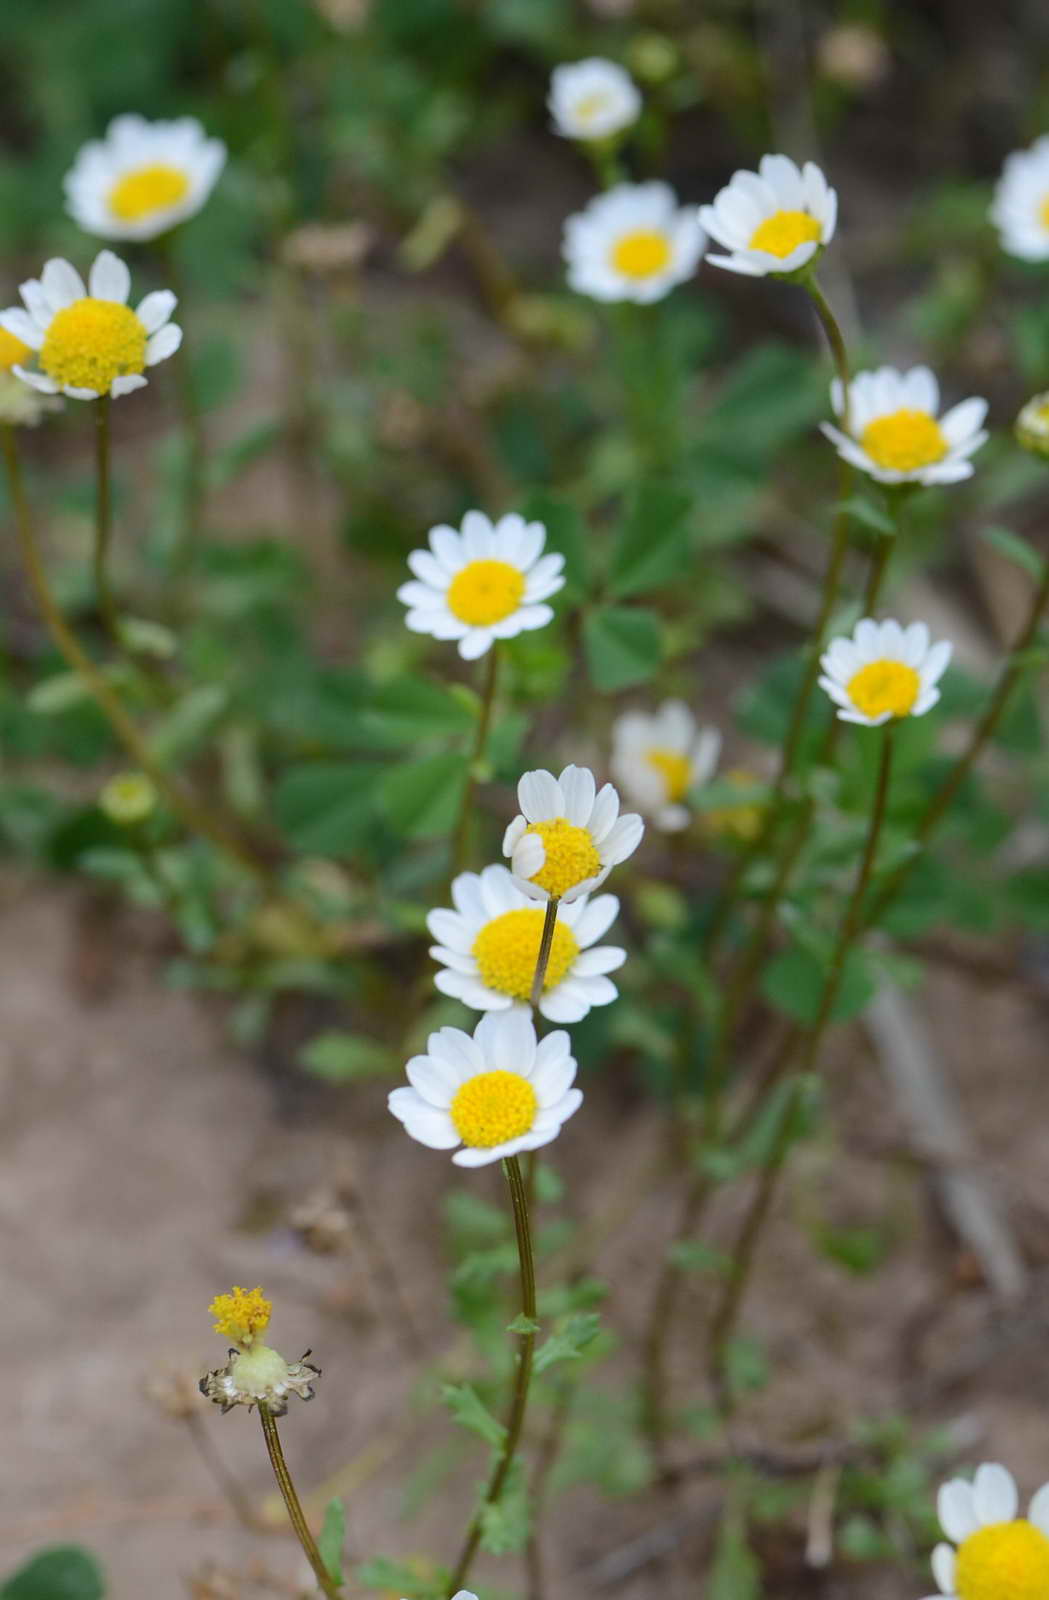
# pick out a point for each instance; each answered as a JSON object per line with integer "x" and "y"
{"x": 255, "y": 1374}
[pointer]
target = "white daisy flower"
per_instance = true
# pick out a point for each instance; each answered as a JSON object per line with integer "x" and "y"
{"x": 775, "y": 220}
{"x": 569, "y": 836}
{"x": 632, "y": 243}
{"x": 1032, "y": 425}
{"x": 143, "y": 177}
{"x": 893, "y": 430}
{"x": 89, "y": 342}
{"x": 495, "y": 1094}
{"x": 1020, "y": 209}
{"x": 993, "y": 1553}
{"x": 482, "y": 584}
{"x": 592, "y": 99}
{"x": 658, "y": 757}
{"x": 884, "y": 672}
{"x": 489, "y": 946}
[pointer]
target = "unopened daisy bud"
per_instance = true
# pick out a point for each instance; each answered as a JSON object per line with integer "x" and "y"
{"x": 1032, "y": 425}
{"x": 993, "y": 1552}
{"x": 775, "y": 221}
{"x": 568, "y": 836}
{"x": 255, "y": 1374}
{"x": 128, "y": 799}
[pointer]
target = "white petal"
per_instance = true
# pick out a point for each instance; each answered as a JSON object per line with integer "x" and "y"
{"x": 956, "y": 1510}
{"x": 578, "y": 791}
{"x": 539, "y": 796}
{"x": 155, "y": 309}
{"x": 1038, "y": 1512}
{"x": 109, "y": 278}
{"x": 163, "y": 343}
{"x": 61, "y": 284}
{"x": 943, "y": 1565}
{"x": 128, "y": 384}
{"x": 604, "y": 814}
{"x": 994, "y": 1493}
{"x": 434, "y": 1081}
{"x": 622, "y": 840}
{"x": 595, "y": 919}
{"x": 21, "y": 325}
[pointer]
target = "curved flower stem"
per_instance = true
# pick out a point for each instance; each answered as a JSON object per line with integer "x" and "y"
{"x": 726, "y": 1312}
{"x": 461, "y": 836}
{"x": 104, "y": 523}
{"x": 726, "y": 900}
{"x": 192, "y": 815}
{"x": 291, "y": 1500}
{"x": 1010, "y": 676}
{"x": 545, "y": 945}
{"x": 526, "y": 1350}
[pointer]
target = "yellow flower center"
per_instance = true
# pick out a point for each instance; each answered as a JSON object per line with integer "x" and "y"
{"x": 884, "y": 686}
{"x": 153, "y": 188}
{"x": 507, "y": 948}
{"x": 492, "y": 1108}
{"x": 485, "y": 592}
{"x": 591, "y": 106}
{"x": 904, "y": 440}
{"x": 1043, "y": 212}
{"x": 675, "y": 770}
{"x": 641, "y": 253}
{"x": 92, "y": 342}
{"x": 1008, "y": 1561}
{"x": 571, "y": 856}
{"x": 241, "y": 1315}
{"x": 781, "y": 233}
{"x": 12, "y": 350}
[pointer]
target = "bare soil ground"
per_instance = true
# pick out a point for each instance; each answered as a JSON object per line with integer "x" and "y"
{"x": 147, "y": 1165}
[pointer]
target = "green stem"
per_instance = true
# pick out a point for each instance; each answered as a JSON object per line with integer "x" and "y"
{"x": 104, "y": 523}
{"x": 461, "y": 836}
{"x": 194, "y": 817}
{"x": 545, "y": 945}
{"x": 522, "y": 1381}
{"x": 727, "y": 1311}
{"x": 726, "y": 901}
{"x": 1010, "y": 676}
{"x": 291, "y": 1500}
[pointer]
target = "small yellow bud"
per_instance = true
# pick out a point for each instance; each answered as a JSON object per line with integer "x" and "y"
{"x": 1032, "y": 425}
{"x": 128, "y": 799}
{"x": 241, "y": 1315}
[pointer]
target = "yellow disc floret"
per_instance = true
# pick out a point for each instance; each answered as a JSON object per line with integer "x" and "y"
{"x": 571, "y": 856}
{"x": 507, "y": 948}
{"x": 492, "y": 1108}
{"x": 781, "y": 233}
{"x": 591, "y": 106}
{"x": 641, "y": 253}
{"x": 155, "y": 188}
{"x": 884, "y": 686}
{"x": 485, "y": 592}
{"x": 904, "y": 440}
{"x": 12, "y": 351}
{"x": 674, "y": 768}
{"x": 241, "y": 1315}
{"x": 92, "y": 342}
{"x": 1007, "y": 1561}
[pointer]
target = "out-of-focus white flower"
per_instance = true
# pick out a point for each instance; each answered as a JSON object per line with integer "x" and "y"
{"x": 1020, "y": 209}
{"x": 489, "y": 947}
{"x": 894, "y": 433}
{"x": 884, "y": 672}
{"x": 775, "y": 220}
{"x": 143, "y": 177}
{"x": 592, "y": 99}
{"x": 88, "y": 341}
{"x": 1032, "y": 425}
{"x": 496, "y": 1093}
{"x": 483, "y": 583}
{"x": 633, "y": 242}
{"x": 658, "y": 757}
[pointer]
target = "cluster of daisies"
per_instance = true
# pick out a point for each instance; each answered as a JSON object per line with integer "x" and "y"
{"x": 86, "y": 341}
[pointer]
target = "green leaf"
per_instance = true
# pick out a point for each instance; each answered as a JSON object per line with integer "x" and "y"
{"x": 793, "y": 982}
{"x": 146, "y": 638}
{"x": 413, "y": 709}
{"x": 395, "y": 1577}
{"x": 566, "y": 535}
{"x": 623, "y": 646}
{"x": 868, "y": 514}
{"x": 470, "y": 1411}
{"x": 421, "y": 799}
{"x": 692, "y": 1255}
{"x": 735, "y": 1573}
{"x": 652, "y": 546}
{"x": 56, "y": 693}
{"x": 188, "y": 722}
{"x": 522, "y": 1324}
{"x": 331, "y": 1538}
{"x": 504, "y": 1526}
{"x": 326, "y": 808}
{"x": 1016, "y": 550}
{"x": 570, "y": 1341}
{"x": 64, "y": 1572}
{"x": 346, "y": 1058}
